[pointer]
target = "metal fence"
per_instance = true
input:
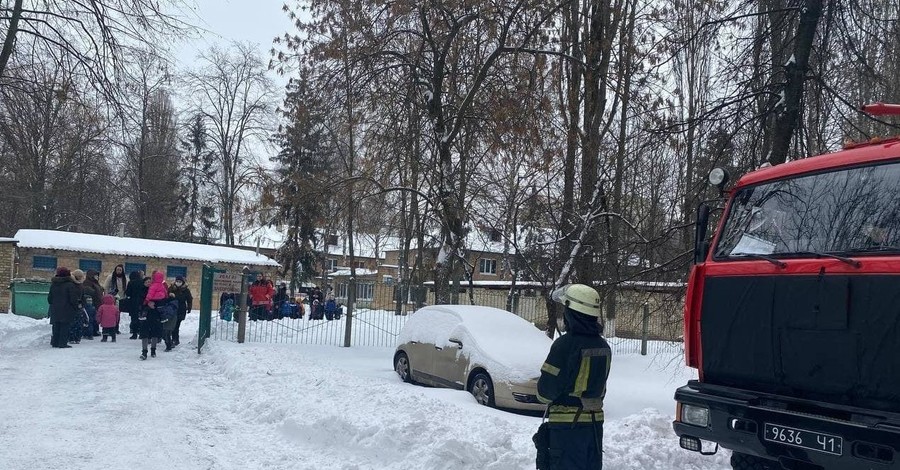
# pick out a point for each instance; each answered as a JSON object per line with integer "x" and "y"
{"x": 645, "y": 324}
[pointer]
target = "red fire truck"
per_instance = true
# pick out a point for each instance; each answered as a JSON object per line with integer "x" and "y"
{"x": 792, "y": 315}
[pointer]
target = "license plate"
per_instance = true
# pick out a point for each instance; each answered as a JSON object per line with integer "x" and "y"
{"x": 805, "y": 439}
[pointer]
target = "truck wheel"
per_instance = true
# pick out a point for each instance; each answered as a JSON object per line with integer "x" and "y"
{"x": 750, "y": 462}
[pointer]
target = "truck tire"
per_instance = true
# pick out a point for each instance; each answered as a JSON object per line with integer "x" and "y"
{"x": 750, "y": 462}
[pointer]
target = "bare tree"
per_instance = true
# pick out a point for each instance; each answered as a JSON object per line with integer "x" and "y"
{"x": 234, "y": 94}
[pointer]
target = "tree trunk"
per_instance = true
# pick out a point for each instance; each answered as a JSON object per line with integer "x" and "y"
{"x": 788, "y": 118}
{"x": 10, "y": 41}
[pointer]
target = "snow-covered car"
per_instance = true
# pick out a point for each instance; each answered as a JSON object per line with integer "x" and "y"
{"x": 494, "y": 354}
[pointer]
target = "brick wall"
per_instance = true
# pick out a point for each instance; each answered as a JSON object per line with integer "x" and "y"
{"x": 7, "y": 271}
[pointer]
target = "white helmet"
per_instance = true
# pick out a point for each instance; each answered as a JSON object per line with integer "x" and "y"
{"x": 578, "y": 297}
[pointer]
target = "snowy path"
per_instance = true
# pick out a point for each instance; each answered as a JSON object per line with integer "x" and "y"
{"x": 98, "y": 406}
{"x": 281, "y": 407}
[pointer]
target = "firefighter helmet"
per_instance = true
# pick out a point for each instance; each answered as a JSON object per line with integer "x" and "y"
{"x": 578, "y": 297}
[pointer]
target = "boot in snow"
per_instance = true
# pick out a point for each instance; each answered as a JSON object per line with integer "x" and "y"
{"x": 133, "y": 336}
{"x": 103, "y": 340}
{"x": 144, "y": 355}
{"x": 153, "y": 352}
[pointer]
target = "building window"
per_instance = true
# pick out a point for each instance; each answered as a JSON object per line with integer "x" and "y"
{"x": 333, "y": 240}
{"x": 132, "y": 267}
{"x": 88, "y": 264}
{"x": 44, "y": 263}
{"x": 360, "y": 265}
{"x": 496, "y": 236}
{"x": 365, "y": 291}
{"x": 387, "y": 280}
{"x": 487, "y": 266}
{"x": 174, "y": 271}
{"x": 330, "y": 265}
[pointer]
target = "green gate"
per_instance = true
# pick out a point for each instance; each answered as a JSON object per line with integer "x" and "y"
{"x": 206, "y": 295}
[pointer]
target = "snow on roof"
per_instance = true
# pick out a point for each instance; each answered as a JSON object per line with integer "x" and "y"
{"x": 365, "y": 245}
{"x": 508, "y": 346}
{"x": 104, "y": 244}
{"x": 345, "y": 272}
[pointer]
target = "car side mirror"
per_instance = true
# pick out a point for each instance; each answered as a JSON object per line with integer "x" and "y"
{"x": 456, "y": 342}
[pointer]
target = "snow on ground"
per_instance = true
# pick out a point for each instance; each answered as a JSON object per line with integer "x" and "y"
{"x": 287, "y": 406}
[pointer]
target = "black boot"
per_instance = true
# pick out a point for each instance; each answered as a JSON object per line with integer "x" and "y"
{"x": 144, "y": 355}
{"x": 153, "y": 352}
{"x": 133, "y": 336}
{"x": 104, "y": 339}
{"x": 114, "y": 338}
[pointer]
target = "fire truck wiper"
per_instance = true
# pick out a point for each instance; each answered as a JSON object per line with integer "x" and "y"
{"x": 846, "y": 259}
{"x": 770, "y": 259}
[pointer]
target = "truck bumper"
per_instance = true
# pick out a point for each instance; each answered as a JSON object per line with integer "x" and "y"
{"x": 737, "y": 421}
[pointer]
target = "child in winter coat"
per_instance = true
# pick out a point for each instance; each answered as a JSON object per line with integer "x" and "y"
{"x": 169, "y": 318}
{"x": 226, "y": 311}
{"x": 151, "y": 324}
{"x": 331, "y": 308}
{"x": 108, "y": 317}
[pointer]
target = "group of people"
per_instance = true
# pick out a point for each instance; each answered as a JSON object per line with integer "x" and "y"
{"x": 80, "y": 306}
{"x": 268, "y": 303}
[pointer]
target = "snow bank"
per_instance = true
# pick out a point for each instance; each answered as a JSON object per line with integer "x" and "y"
{"x": 23, "y": 332}
{"x": 287, "y": 407}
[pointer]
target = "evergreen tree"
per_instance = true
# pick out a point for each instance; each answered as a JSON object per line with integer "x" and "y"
{"x": 198, "y": 175}
{"x": 300, "y": 195}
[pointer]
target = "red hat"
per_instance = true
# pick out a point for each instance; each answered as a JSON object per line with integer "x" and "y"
{"x": 63, "y": 271}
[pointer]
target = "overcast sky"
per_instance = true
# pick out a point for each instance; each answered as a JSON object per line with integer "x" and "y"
{"x": 225, "y": 21}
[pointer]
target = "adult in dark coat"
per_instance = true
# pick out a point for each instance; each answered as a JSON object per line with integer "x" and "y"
{"x": 64, "y": 299}
{"x": 182, "y": 293}
{"x": 135, "y": 292}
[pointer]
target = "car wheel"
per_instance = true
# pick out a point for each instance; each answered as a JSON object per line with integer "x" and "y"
{"x": 482, "y": 388}
{"x": 401, "y": 366}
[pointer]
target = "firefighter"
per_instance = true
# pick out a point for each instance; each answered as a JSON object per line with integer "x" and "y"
{"x": 573, "y": 383}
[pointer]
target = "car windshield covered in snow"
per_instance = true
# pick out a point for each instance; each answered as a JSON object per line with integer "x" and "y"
{"x": 849, "y": 211}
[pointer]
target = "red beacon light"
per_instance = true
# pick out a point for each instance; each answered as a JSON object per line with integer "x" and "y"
{"x": 882, "y": 109}
{"x": 875, "y": 109}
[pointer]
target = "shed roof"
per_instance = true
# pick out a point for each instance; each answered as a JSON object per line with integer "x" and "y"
{"x": 138, "y": 247}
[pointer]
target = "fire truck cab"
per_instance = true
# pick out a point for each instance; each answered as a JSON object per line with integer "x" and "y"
{"x": 792, "y": 316}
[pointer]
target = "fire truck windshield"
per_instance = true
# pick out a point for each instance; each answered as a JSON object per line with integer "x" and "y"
{"x": 850, "y": 211}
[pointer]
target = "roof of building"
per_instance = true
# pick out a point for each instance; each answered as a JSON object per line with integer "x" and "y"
{"x": 365, "y": 245}
{"x": 345, "y": 272}
{"x": 138, "y": 247}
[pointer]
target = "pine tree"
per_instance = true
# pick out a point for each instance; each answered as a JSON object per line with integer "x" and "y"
{"x": 198, "y": 175}
{"x": 300, "y": 197}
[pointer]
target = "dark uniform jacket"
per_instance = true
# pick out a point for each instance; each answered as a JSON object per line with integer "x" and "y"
{"x": 64, "y": 299}
{"x": 573, "y": 378}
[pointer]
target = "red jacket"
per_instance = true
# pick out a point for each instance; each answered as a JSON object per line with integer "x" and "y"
{"x": 108, "y": 313}
{"x": 261, "y": 293}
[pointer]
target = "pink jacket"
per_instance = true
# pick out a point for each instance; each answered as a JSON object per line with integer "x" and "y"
{"x": 108, "y": 313}
{"x": 158, "y": 290}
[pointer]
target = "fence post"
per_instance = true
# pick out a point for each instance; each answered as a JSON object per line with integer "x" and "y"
{"x": 242, "y": 307}
{"x": 351, "y": 301}
{"x": 645, "y": 328}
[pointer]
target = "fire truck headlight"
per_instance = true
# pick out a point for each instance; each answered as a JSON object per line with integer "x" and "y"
{"x": 695, "y": 415}
{"x": 718, "y": 177}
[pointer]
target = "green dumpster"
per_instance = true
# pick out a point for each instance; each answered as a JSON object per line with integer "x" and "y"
{"x": 29, "y": 297}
